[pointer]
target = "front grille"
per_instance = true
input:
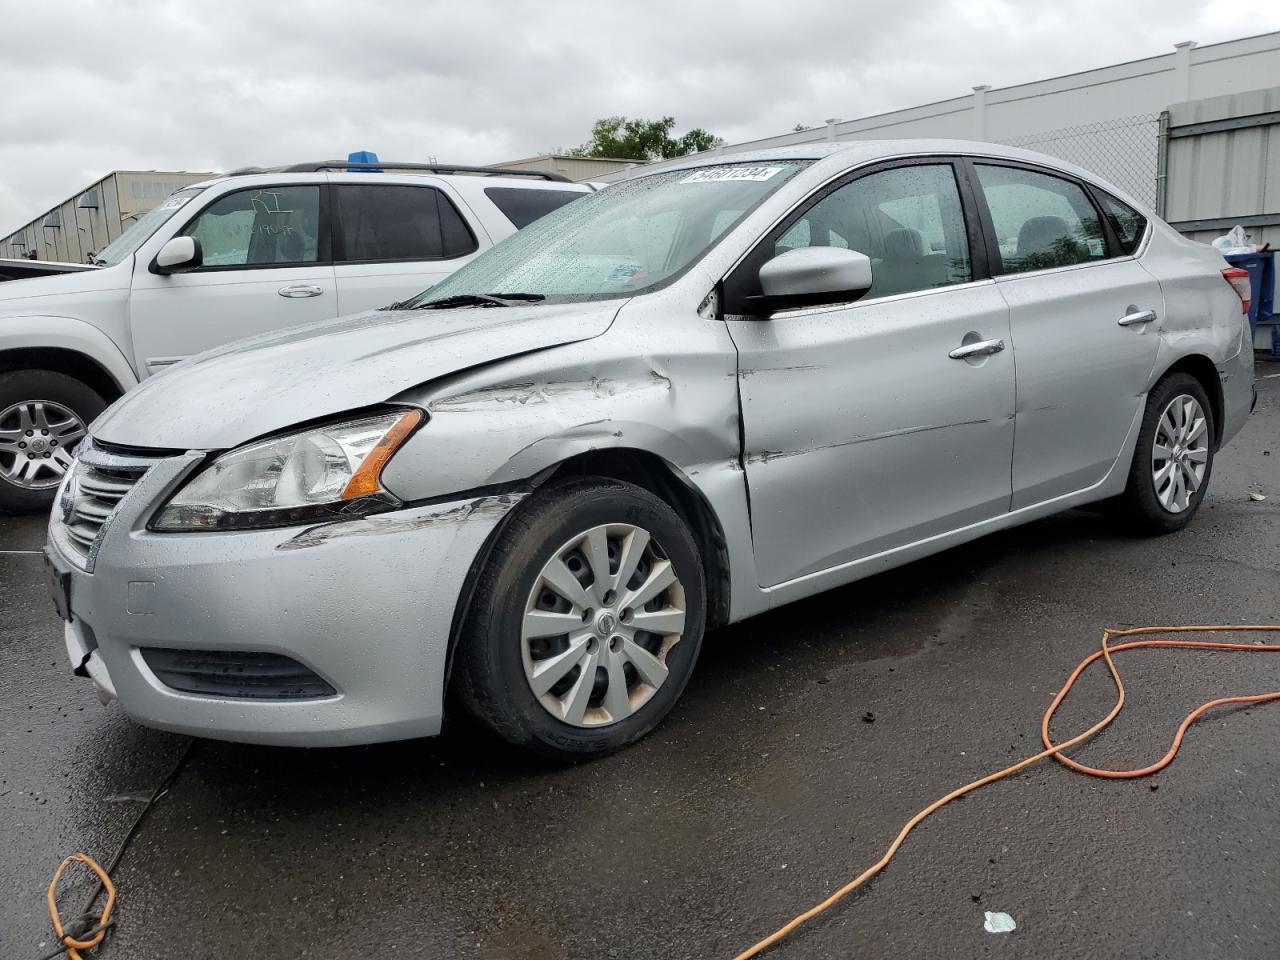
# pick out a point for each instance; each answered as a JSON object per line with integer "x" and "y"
{"x": 236, "y": 675}
{"x": 100, "y": 480}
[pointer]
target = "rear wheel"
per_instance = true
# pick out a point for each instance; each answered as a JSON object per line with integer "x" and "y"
{"x": 43, "y": 417}
{"x": 1173, "y": 459}
{"x": 586, "y": 622}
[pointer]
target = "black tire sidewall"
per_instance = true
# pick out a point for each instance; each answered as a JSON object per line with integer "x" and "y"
{"x": 496, "y": 689}
{"x": 20, "y": 385}
{"x": 1146, "y": 514}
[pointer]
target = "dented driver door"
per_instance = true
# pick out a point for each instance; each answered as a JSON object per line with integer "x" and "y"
{"x": 872, "y": 425}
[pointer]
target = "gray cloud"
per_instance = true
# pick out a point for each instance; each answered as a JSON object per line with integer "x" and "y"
{"x": 87, "y": 87}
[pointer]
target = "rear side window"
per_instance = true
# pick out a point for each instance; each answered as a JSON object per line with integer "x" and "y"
{"x": 1040, "y": 221}
{"x": 272, "y": 226}
{"x": 1128, "y": 223}
{"x": 522, "y": 206}
{"x": 398, "y": 222}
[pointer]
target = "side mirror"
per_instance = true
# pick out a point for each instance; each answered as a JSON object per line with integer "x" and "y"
{"x": 811, "y": 276}
{"x": 179, "y": 255}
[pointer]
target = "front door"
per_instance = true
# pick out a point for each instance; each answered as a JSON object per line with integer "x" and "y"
{"x": 265, "y": 266}
{"x": 880, "y": 423}
{"x": 1085, "y": 318}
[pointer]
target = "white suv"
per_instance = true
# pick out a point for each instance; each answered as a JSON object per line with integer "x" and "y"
{"x": 238, "y": 255}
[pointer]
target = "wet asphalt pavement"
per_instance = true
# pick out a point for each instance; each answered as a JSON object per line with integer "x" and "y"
{"x": 805, "y": 739}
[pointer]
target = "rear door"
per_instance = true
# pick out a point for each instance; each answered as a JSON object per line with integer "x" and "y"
{"x": 394, "y": 240}
{"x": 266, "y": 266}
{"x": 1085, "y": 320}
{"x": 861, "y": 431}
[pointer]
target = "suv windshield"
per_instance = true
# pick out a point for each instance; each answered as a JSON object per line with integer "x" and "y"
{"x": 624, "y": 240}
{"x": 124, "y": 245}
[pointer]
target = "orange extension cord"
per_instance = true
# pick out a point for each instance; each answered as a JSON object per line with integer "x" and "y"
{"x": 94, "y": 936}
{"x": 1056, "y": 750}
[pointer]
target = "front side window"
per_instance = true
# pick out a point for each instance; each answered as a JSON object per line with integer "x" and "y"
{"x": 398, "y": 222}
{"x": 908, "y": 220}
{"x": 271, "y": 226}
{"x": 1040, "y": 221}
{"x": 622, "y": 241}
{"x": 1128, "y": 223}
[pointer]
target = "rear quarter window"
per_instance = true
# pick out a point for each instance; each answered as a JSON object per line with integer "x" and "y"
{"x": 1128, "y": 224}
{"x": 522, "y": 205}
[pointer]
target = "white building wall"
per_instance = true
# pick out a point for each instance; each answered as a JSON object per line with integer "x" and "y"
{"x": 1119, "y": 92}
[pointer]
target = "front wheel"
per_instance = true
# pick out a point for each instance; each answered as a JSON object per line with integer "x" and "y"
{"x": 43, "y": 416}
{"x": 585, "y": 623}
{"x": 1173, "y": 459}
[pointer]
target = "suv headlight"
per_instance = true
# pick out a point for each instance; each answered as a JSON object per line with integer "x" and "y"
{"x": 326, "y": 472}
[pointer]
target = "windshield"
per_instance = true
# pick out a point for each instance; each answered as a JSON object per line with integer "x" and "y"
{"x": 626, "y": 239}
{"x": 124, "y": 245}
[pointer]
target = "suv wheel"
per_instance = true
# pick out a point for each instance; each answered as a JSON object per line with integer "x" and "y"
{"x": 586, "y": 621}
{"x": 1173, "y": 459}
{"x": 43, "y": 416}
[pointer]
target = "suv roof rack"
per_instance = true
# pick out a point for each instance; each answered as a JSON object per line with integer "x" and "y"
{"x": 316, "y": 166}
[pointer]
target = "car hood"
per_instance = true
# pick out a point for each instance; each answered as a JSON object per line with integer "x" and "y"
{"x": 266, "y": 383}
{"x": 34, "y": 295}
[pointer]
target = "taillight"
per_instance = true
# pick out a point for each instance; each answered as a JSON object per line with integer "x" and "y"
{"x": 1239, "y": 281}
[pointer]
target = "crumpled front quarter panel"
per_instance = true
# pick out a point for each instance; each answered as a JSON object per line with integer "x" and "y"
{"x": 661, "y": 380}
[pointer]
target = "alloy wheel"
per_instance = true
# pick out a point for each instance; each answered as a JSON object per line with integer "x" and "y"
{"x": 599, "y": 622}
{"x": 37, "y": 439}
{"x": 1180, "y": 453}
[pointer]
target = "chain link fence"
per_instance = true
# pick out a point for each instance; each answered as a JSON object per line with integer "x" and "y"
{"x": 1124, "y": 151}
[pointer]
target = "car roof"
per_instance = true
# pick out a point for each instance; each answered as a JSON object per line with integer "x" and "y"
{"x": 833, "y": 157}
{"x": 313, "y": 172}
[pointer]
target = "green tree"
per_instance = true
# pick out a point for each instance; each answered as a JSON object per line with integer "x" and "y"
{"x": 626, "y": 139}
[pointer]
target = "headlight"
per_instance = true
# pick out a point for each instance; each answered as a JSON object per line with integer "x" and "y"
{"x": 323, "y": 473}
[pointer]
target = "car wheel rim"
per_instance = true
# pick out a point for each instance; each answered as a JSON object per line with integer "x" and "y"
{"x": 599, "y": 625}
{"x": 37, "y": 438}
{"x": 1180, "y": 453}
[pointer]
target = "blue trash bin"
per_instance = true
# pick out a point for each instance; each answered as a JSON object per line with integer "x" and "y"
{"x": 1261, "y": 268}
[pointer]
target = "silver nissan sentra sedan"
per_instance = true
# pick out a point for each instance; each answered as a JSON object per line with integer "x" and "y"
{"x": 694, "y": 396}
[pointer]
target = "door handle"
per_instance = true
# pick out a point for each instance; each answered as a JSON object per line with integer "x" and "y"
{"x": 296, "y": 290}
{"x": 1135, "y": 317}
{"x": 982, "y": 348}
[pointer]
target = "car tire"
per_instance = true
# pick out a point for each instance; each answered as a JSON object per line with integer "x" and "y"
{"x": 500, "y": 658}
{"x": 1178, "y": 419}
{"x": 45, "y": 403}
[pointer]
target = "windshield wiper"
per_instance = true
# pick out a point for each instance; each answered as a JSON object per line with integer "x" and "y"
{"x": 96, "y": 261}
{"x": 480, "y": 300}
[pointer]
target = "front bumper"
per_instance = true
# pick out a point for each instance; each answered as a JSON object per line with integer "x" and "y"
{"x": 366, "y": 604}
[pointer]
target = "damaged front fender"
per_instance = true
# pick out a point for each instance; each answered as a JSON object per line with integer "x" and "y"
{"x": 509, "y": 421}
{"x": 662, "y": 381}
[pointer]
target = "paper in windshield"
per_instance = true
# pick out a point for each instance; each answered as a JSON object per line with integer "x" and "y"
{"x": 722, "y": 174}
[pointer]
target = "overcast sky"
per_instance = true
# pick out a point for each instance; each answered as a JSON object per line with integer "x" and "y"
{"x": 89, "y": 87}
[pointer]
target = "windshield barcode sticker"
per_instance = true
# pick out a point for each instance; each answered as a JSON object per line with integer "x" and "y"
{"x": 720, "y": 174}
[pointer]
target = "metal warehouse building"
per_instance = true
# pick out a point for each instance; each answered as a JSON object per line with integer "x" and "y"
{"x": 567, "y": 165}
{"x": 96, "y": 215}
{"x": 1195, "y": 133}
